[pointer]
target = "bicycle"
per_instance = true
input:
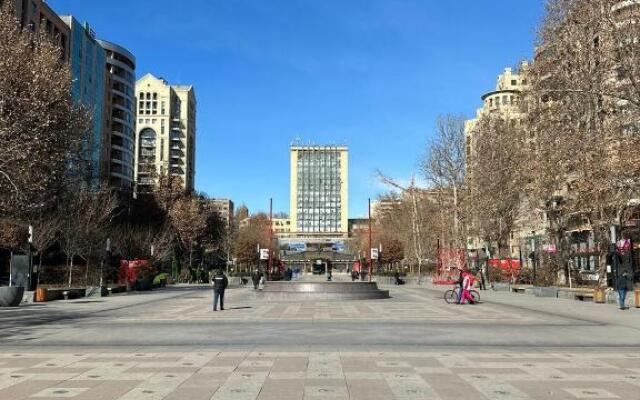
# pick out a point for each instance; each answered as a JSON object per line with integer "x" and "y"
{"x": 452, "y": 296}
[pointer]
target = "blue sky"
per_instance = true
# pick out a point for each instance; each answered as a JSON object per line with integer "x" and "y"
{"x": 371, "y": 74}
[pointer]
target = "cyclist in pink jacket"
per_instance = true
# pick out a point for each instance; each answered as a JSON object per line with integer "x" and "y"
{"x": 467, "y": 282}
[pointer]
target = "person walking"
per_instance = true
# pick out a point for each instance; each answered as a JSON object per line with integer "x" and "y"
{"x": 623, "y": 285}
{"x": 255, "y": 278}
{"x": 220, "y": 283}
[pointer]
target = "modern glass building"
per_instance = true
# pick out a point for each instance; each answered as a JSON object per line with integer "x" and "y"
{"x": 120, "y": 110}
{"x": 319, "y": 191}
{"x": 87, "y": 61}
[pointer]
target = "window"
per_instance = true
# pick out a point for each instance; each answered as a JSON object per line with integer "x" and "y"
{"x": 514, "y": 82}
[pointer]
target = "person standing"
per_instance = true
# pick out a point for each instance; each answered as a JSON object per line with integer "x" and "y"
{"x": 255, "y": 278}
{"x": 623, "y": 285}
{"x": 220, "y": 283}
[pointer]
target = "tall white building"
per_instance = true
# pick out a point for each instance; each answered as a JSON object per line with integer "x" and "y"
{"x": 319, "y": 190}
{"x": 165, "y": 134}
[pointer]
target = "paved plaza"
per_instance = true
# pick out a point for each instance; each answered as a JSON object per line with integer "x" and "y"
{"x": 169, "y": 345}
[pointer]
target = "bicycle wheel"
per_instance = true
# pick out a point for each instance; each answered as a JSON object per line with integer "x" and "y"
{"x": 450, "y": 296}
{"x": 476, "y": 296}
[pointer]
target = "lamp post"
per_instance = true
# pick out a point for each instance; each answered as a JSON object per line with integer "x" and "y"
{"x": 370, "y": 236}
{"x": 533, "y": 256}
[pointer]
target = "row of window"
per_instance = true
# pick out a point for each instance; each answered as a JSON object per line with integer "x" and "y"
{"x": 506, "y": 100}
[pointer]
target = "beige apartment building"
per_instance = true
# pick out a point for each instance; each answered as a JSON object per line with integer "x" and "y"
{"x": 165, "y": 133}
{"x": 319, "y": 191}
{"x": 281, "y": 226}
{"x": 504, "y": 101}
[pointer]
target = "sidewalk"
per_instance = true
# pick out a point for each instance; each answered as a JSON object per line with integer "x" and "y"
{"x": 600, "y": 314}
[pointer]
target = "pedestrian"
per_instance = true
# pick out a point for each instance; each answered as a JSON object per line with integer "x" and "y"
{"x": 397, "y": 279}
{"x": 466, "y": 288}
{"x": 459, "y": 283}
{"x": 220, "y": 283}
{"x": 255, "y": 278}
{"x": 481, "y": 279}
{"x": 623, "y": 285}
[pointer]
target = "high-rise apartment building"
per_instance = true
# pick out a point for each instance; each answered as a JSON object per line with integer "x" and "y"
{"x": 35, "y": 15}
{"x": 87, "y": 62}
{"x": 120, "y": 113}
{"x": 319, "y": 191}
{"x": 165, "y": 134}
{"x": 504, "y": 102}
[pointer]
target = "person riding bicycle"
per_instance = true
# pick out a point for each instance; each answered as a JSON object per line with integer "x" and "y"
{"x": 467, "y": 282}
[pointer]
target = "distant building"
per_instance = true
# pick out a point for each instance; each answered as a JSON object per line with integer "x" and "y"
{"x": 120, "y": 113}
{"x": 281, "y": 226}
{"x": 358, "y": 226}
{"x": 385, "y": 205}
{"x": 87, "y": 62}
{"x": 224, "y": 208}
{"x": 165, "y": 134}
{"x": 319, "y": 191}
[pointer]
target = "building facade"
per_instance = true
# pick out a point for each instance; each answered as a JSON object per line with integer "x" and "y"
{"x": 120, "y": 112}
{"x": 87, "y": 61}
{"x": 504, "y": 102}
{"x": 165, "y": 134}
{"x": 224, "y": 208}
{"x": 36, "y": 15}
{"x": 319, "y": 190}
{"x": 281, "y": 226}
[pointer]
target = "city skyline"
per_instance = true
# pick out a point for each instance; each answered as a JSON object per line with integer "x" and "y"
{"x": 266, "y": 76}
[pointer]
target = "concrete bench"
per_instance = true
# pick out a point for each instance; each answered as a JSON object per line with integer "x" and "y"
{"x": 520, "y": 288}
{"x": 576, "y": 294}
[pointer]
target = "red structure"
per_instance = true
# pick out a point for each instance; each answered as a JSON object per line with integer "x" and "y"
{"x": 448, "y": 260}
{"x": 132, "y": 270}
{"x": 509, "y": 268}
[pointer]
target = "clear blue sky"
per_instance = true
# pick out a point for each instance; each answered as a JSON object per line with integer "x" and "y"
{"x": 372, "y": 74}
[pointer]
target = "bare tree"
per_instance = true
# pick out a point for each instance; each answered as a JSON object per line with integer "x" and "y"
{"x": 46, "y": 230}
{"x": 494, "y": 181}
{"x": 444, "y": 165}
{"x": 584, "y": 104}
{"x": 189, "y": 222}
{"x": 39, "y": 125}
{"x": 85, "y": 226}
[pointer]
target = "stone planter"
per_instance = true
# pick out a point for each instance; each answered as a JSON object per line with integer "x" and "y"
{"x": 11, "y": 296}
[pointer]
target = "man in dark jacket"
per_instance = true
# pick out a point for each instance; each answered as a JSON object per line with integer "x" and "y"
{"x": 257, "y": 275}
{"x": 623, "y": 285}
{"x": 220, "y": 283}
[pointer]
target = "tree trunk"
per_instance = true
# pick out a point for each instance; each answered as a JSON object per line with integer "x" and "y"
{"x": 70, "y": 269}
{"x": 39, "y": 269}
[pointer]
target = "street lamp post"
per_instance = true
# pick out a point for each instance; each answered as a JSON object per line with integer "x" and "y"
{"x": 533, "y": 256}
{"x": 370, "y": 236}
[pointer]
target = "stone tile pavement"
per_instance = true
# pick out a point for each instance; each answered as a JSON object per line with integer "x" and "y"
{"x": 282, "y": 375}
